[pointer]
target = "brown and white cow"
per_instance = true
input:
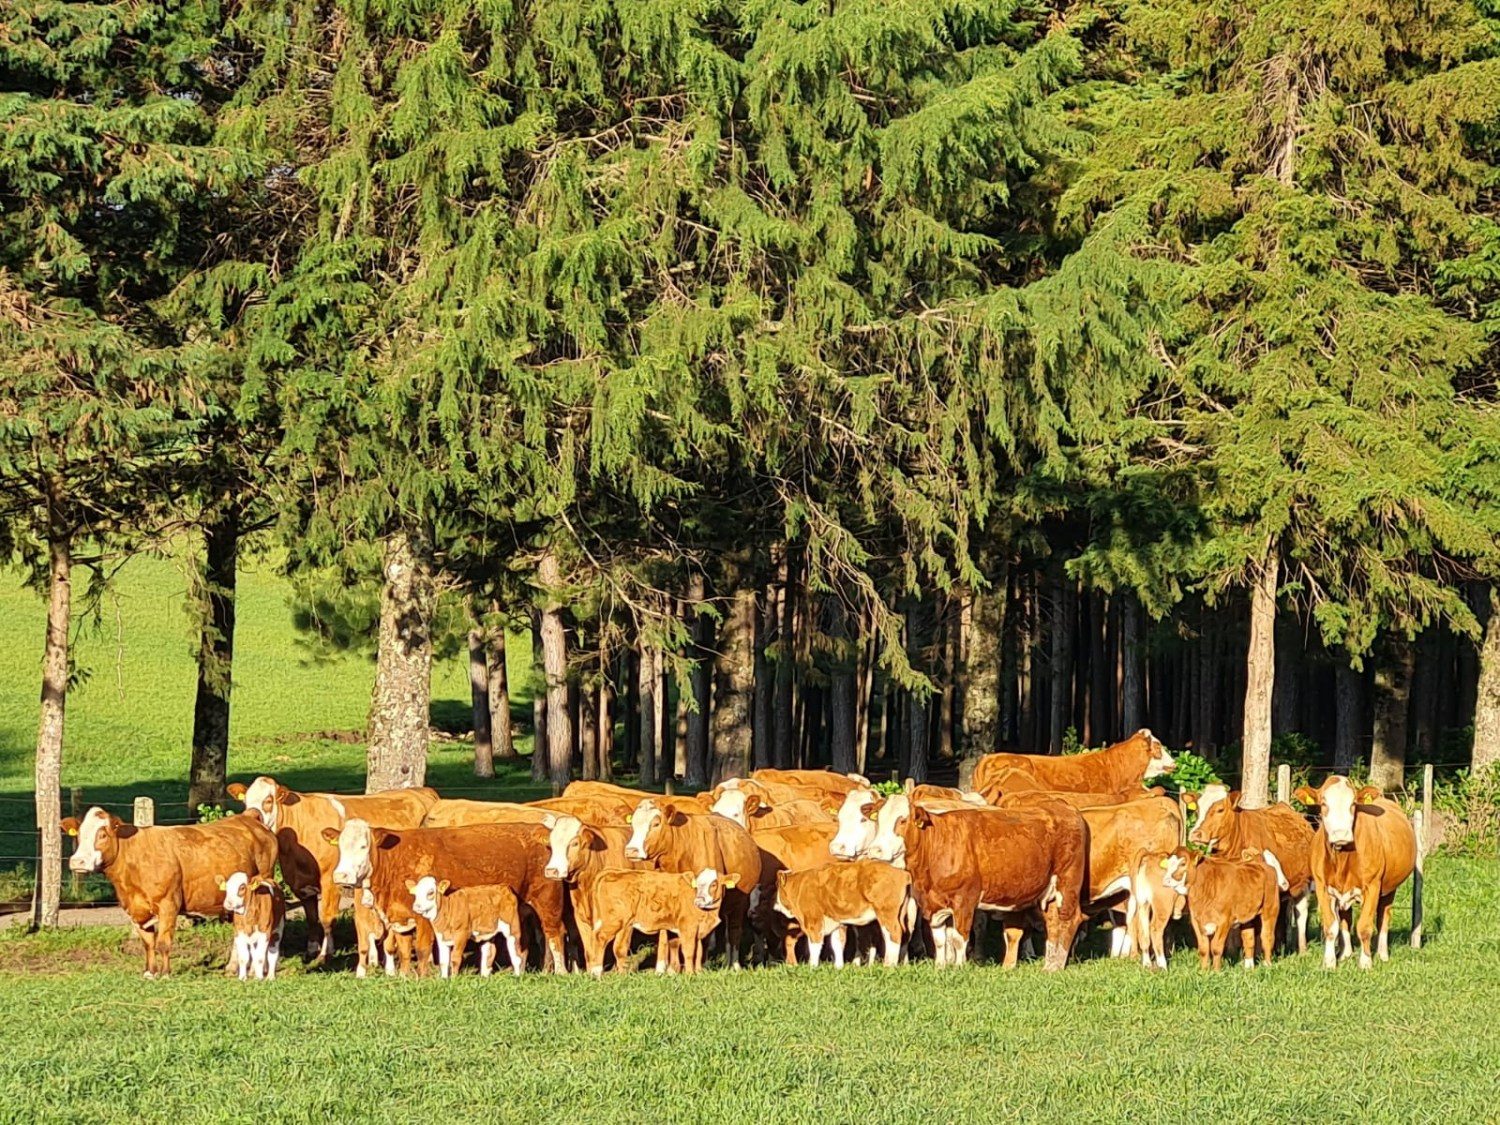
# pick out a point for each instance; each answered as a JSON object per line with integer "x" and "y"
{"x": 257, "y": 908}
{"x": 1157, "y": 896}
{"x": 684, "y": 903}
{"x": 298, "y": 820}
{"x": 1228, "y": 829}
{"x": 1117, "y": 833}
{"x": 815, "y": 783}
{"x": 823, "y": 900}
{"x": 381, "y": 860}
{"x": 676, "y": 836}
{"x": 792, "y": 847}
{"x": 749, "y": 811}
{"x": 604, "y": 789}
{"x": 577, "y": 855}
{"x": 1363, "y": 850}
{"x": 487, "y": 914}
{"x": 1013, "y": 783}
{"x": 857, "y": 815}
{"x": 1012, "y": 862}
{"x": 1115, "y": 769}
{"x": 162, "y": 873}
{"x": 459, "y": 812}
{"x": 1227, "y": 895}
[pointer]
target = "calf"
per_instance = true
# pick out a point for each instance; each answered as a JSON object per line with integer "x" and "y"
{"x": 1230, "y": 830}
{"x": 1154, "y": 901}
{"x": 258, "y": 909}
{"x": 578, "y": 854}
{"x": 162, "y": 873}
{"x": 823, "y": 900}
{"x": 484, "y": 914}
{"x": 1115, "y": 769}
{"x": 381, "y": 860}
{"x": 654, "y": 902}
{"x": 300, "y": 821}
{"x": 1225, "y": 895}
{"x": 1014, "y": 862}
{"x": 859, "y": 809}
{"x": 372, "y": 938}
{"x": 793, "y": 847}
{"x": 1363, "y": 850}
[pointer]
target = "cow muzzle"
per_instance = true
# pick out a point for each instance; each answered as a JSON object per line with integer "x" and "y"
{"x": 634, "y": 852}
{"x": 82, "y": 864}
{"x": 552, "y": 871}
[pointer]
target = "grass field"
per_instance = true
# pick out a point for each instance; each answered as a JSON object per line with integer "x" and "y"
{"x": 1411, "y": 1040}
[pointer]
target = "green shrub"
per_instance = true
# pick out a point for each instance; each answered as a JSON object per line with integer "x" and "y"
{"x": 1192, "y": 772}
{"x": 888, "y": 788}
{"x": 207, "y": 813}
{"x": 1471, "y": 806}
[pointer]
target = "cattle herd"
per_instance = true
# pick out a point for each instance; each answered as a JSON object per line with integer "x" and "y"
{"x": 769, "y": 863}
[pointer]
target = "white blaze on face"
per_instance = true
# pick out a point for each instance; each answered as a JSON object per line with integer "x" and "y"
{"x": 560, "y": 836}
{"x": 731, "y": 804}
{"x": 355, "y": 840}
{"x": 1211, "y": 795}
{"x": 706, "y": 892}
{"x": 856, "y": 830}
{"x": 234, "y": 893}
{"x": 87, "y": 857}
{"x": 260, "y": 795}
{"x": 1161, "y": 759}
{"x": 1338, "y": 811}
{"x": 425, "y": 898}
{"x": 1174, "y": 875}
{"x": 888, "y": 843}
{"x": 646, "y": 814}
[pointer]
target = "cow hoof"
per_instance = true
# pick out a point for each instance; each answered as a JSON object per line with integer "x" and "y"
{"x": 149, "y": 975}
{"x": 1365, "y": 962}
{"x": 359, "y": 973}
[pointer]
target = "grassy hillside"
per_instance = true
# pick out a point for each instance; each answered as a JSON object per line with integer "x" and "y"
{"x": 1410, "y": 1040}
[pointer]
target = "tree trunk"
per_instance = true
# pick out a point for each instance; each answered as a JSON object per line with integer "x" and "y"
{"x": 555, "y": 667}
{"x": 538, "y": 702}
{"x": 762, "y": 748}
{"x": 479, "y": 700}
{"x": 697, "y": 720}
{"x": 1099, "y": 672}
{"x": 1026, "y": 678}
{"x": 1289, "y": 650}
{"x": 784, "y": 721}
{"x": 918, "y": 707}
{"x": 1487, "y": 702}
{"x": 208, "y": 772}
{"x": 864, "y": 703}
{"x": 1205, "y": 740}
{"x": 1348, "y": 707}
{"x": 843, "y": 689}
{"x": 1425, "y": 686}
{"x": 986, "y": 648}
{"x": 588, "y": 731}
{"x": 650, "y": 714}
{"x": 1061, "y": 663}
{"x": 606, "y": 713}
{"x": 734, "y": 683}
{"x": 1260, "y": 685}
{"x": 401, "y": 705}
{"x": 1392, "y": 703}
{"x": 49, "y": 734}
{"x": 1132, "y": 682}
{"x": 501, "y": 733}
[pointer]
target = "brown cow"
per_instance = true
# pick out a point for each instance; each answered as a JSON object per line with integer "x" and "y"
{"x": 307, "y": 861}
{"x": 925, "y": 792}
{"x": 598, "y": 808}
{"x": 749, "y": 811}
{"x": 1115, "y": 769}
{"x": 161, "y": 873}
{"x": 1363, "y": 850}
{"x": 486, "y": 914}
{"x": 607, "y": 789}
{"x": 1230, "y": 830}
{"x": 257, "y": 908}
{"x": 373, "y": 940}
{"x": 792, "y": 847}
{"x": 816, "y": 782}
{"x": 1225, "y": 895}
{"x": 675, "y": 836}
{"x": 823, "y": 900}
{"x": 513, "y": 855}
{"x": 680, "y": 902}
{"x": 1156, "y": 897}
{"x": 1011, "y": 783}
{"x": 1117, "y": 833}
{"x": 451, "y": 812}
{"x": 578, "y": 854}
{"x": 1009, "y": 861}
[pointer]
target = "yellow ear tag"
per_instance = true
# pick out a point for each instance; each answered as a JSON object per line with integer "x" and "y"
{"x": 1192, "y": 806}
{"x": 1165, "y": 863}
{"x": 72, "y": 831}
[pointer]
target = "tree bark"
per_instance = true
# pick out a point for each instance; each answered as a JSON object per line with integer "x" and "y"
{"x": 919, "y": 707}
{"x": 479, "y": 701}
{"x": 697, "y": 720}
{"x": 1487, "y": 701}
{"x": 785, "y": 724}
{"x": 401, "y": 705}
{"x": 1099, "y": 672}
{"x": 208, "y": 772}
{"x": 555, "y": 667}
{"x": 49, "y": 734}
{"x": 1260, "y": 685}
{"x": 539, "y": 738}
{"x": 762, "y": 748}
{"x": 1425, "y": 686}
{"x": 1392, "y": 704}
{"x": 606, "y": 713}
{"x": 734, "y": 682}
{"x": 986, "y": 648}
{"x": 843, "y": 688}
{"x": 588, "y": 731}
{"x": 501, "y": 732}
{"x": 1132, "y": 681}
{"x": 650, "y": 712}
{"x": 1348, "y": 706}
{"x": 864, "y": 703}
{"x": 1289, "y": 650}
{"x": 1061, "y": 664}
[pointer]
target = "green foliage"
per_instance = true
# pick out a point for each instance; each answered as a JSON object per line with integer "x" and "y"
{"x": 209, "y": 813}
{"x": 1191, "y": 772}
{"x": 890, "y": 787}
{"x": 1470, "y": 806}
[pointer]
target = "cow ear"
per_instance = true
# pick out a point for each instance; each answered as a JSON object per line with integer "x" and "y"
{"x": 285, "y": 796}
{"x": 867, "y": 810}
{"x": 781, "y": 877}
{"x": 1234, "y": 799}
{"x": 236, "y": 790}
{"x": 730, "y": 882}
{"x": 1367, "y": 795}
{"x": 411, "y": 886}
{"x": 223, "y": 884}
{"x": 629, "y": 820}
{"x": 70, "y": 825}
{"x": 384, "y": 838}
{"x": 263, "y": 886}
{"x": 331, "y": 835}
{"x": 920, "y": 816}
{"x": 443, "y": 886}
{"x": 1190, "y": 798}
{"x": 1304, "y": 795}
{"x": 677, "y": 818}
{"x": 689, "y": 878}
{"x": 908, "y": 786}
{"x": 752, "y": 804}
{"x": 549, "y": 821}
{"x": 831, "y": 805}
{"x": 120, "y": 830}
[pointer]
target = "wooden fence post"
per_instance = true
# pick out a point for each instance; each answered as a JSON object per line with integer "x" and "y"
{"x": 1427, "y": 807}
{"x": 1423, "y": 830}
{"x": 75, "y": 810}
{"x": 1283, "y": 783}
{"x": 145, "y": 812}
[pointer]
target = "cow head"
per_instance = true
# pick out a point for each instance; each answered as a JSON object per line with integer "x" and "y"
{"x": 891, "y": 817}
{"x": 1215, "y": 807}
{"x": 356, "y": 842}
{"x": 265, "y": 795}
{"x": 1175, "y": 868}
{"x": 856, "y": 824}
{"x": 568, "y": 841}
{"x": 709, "y": 887}
{"x": 737, "y": 805}
{"x": 648, "y": 824}
{"x": 427, "y": 896}
{"x": 1335, "y": 801}
{"x": 236, "y": 892}
{"x": 1159, "y": 760}
{"x": 99, "y": 835}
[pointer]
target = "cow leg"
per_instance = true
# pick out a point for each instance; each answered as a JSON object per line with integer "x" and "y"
{"x": 1201, "y": 939}
{"x": 1062, "y": 922}
{"x": 1328, "y": 921}
{"x": 1369, "y": 911}
{"x": 1299, "y": 917}
{"x": 1247, "y": 942}
{"x": 622, "y": 950}
{"x": 273, "y": 956}
{"x": 1383, "y": 950}
{"x": 734, "y": 909}
{"x": 320, "y": 914}
{"x": 240, "y": 954}
{"x": 1015, "y": 934}
{"x": 814, "y": 947}
{"x": 488, "y": 951}
{"x": 836, "y": 939}
{"x": 1344, "y": 919}
{"x": 789, "y": 941}
{"x": 1159, "y": 941}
